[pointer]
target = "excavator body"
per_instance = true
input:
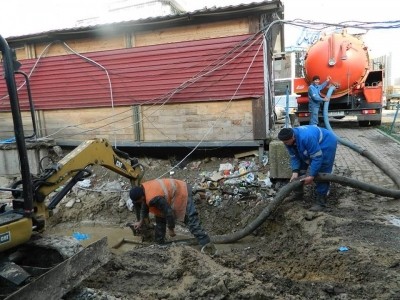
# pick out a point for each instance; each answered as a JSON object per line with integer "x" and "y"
{"x": 32, "y": 265}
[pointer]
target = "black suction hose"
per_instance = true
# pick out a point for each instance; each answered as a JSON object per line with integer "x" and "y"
{"x": 387, "y": 169}
{"x": 282, "y": 194}
{"x": 287, "y": 189}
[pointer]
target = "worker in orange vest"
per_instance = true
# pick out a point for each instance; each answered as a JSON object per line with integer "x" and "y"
{"x": 169, "y": 200}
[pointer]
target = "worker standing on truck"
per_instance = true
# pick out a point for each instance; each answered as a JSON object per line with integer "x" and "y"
{"x": 311, "y": 148}
{"x": 168, "y": 199}
{"x": 315, "y": 99}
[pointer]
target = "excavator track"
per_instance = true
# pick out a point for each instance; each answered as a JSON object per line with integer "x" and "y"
{"x": 38, "y": 282}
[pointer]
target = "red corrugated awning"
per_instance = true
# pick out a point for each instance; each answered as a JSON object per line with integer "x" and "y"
{"x": 203, "y": 70}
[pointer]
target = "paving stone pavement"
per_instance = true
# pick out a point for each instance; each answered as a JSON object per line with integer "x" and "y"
{"x": 361, "y": 168}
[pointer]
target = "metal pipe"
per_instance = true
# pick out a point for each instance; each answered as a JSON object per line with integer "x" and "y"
{"x": 395, "y": 117}
{"x": 31, "y": 105}
{"x": 8, "y": 63}
{"x": 287, "y": 108}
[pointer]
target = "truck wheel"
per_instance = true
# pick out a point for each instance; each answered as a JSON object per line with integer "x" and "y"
{"x": 376, "y": 123}
{"x": 363, "y": 123}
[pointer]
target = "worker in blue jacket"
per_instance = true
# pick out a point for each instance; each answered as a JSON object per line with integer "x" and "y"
{"x": 315, "y": 99}
{"x": 311, "y": 148}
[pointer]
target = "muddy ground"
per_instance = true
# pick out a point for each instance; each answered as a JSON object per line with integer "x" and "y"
{"x": 349, "y": 251}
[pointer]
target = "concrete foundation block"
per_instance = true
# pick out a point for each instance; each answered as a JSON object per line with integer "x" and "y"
{"x": 279, "y": 160}
{"x": 9, "y": 159}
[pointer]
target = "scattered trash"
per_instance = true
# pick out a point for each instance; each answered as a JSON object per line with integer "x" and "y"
{"x": 217, "y": 201}
{"x": 129, "y": 204}
{"x": 394, "y": 220}
{"x": 84, "y": 183}
{"x": 224, "y": 167}
{"x": 265, "y": 159}
{"x": 70, "y": 203}
{"x": 240, "y": 181}
{"x": 343, "y": 249}
{"x": 250, "y": 177}
{"x": 266, "y": 182}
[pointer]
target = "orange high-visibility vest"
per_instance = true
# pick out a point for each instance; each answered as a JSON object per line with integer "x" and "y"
{"x": 174, "y": 191}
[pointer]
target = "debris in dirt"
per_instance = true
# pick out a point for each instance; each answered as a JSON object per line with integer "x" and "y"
{"x": 247, "y": 154}
{"x": 293, "y": 255}
{"x": 225, "y": 167}
{"x": 237, "y": 181}
{"x": 70, "y": 203}
{"x": 394, "y": 220}
{"x": 86, "y": 183}
{"x": 80, "y": 236}
{"x": 128, "y": 203}
{"x": 58, "y": 151}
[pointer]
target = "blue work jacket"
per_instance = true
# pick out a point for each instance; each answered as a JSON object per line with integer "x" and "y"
{"x": 314, "y": 146}
{"x": 314, "y": 93}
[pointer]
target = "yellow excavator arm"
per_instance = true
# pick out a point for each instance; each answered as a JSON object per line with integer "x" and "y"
{"x": 91, "y": 152}
{"x": 74, "y": 167}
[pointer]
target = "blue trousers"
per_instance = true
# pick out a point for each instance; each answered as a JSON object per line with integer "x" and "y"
{"x": 322, "y": 188}
{"x": 314, "y": 111}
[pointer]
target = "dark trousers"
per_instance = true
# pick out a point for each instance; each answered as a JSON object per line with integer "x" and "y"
{"x": 160, "y": 230}
{"x": 191, "y": 220}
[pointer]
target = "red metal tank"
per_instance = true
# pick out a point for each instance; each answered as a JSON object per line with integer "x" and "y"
{"x": 342, "y": 56}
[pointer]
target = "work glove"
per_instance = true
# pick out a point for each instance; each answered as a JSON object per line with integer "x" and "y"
{"x": 209, "y": 249}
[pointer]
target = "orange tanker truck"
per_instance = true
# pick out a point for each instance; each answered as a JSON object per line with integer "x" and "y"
{"x": 359, "y": 89}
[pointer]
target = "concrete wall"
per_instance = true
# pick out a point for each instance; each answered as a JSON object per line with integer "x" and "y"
{"x": 222, "y": 121}
{"x": 9, "y": 160}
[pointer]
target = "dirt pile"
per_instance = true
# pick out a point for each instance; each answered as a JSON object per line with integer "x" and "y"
{"x": 173, "y": 272}
{"x": 349, "y": 251}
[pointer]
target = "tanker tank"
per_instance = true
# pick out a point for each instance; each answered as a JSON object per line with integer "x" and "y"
{"x": 342, "y": 56}
{"x": 359, "y": 88}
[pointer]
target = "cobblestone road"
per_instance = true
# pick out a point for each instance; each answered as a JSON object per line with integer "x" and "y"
{"x": 360, "y": 167}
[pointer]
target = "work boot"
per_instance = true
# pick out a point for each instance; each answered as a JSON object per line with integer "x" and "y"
{"x": 320, "y": 203}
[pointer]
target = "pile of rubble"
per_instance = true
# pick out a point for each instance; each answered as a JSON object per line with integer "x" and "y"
{"x": 245, "y": 181}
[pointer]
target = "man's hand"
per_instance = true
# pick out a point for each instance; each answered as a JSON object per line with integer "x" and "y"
{"x": 326, "y": 99}
{"x": 171, "y": 232}
{"x": 135, "y": 227}
{"x": 138, "y": 225}
{"x": 328, "y": 78}
{"x": 308, "y": 180}
{"x": 295, "y": 175}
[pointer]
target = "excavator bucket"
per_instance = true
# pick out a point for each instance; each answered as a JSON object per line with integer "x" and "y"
{"x": 62, "y": 278}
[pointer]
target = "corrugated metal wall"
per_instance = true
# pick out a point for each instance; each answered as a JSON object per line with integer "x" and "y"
{"x": 204, "y": 70}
